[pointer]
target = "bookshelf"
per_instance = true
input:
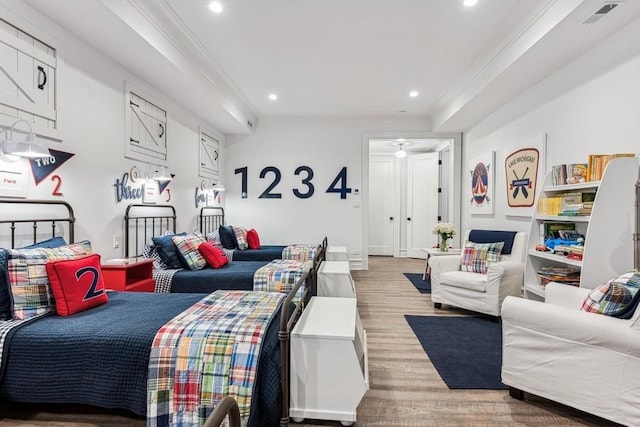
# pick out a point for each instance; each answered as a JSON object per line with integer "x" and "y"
{"x": 608, "y": 230}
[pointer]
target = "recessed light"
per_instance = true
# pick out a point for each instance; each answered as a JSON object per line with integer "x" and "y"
{"x": 215, "y": 7}
{"x": 273, "y": 96}
{"x": 469, "y": 3}
{"x": 402, "y": 111}
{"x": 413, "y": 93}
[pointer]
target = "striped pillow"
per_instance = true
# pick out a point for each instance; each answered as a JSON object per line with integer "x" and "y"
{"x": 188, "y": 250}
{"x": 477, "y": 256}
{"x": 241, "y": 237}
{"x": 618, "y": 297}
{"x": 28, "y": 281}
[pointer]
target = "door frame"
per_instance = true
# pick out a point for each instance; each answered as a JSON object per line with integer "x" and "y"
{"x": 454, "y": 181}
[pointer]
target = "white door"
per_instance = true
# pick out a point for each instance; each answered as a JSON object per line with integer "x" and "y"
{"x": 383, "y": 204}
{"x": 422, "y": 202}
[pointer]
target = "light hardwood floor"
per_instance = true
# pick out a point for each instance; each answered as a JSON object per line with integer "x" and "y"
{"x": 405, "y": 390}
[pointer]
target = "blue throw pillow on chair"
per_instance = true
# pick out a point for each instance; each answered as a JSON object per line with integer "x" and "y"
{"x": 227, "y": 237}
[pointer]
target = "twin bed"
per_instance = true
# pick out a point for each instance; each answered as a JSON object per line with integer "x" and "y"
{"x": 102, "y": 356}
{"x": 142, "y": 222}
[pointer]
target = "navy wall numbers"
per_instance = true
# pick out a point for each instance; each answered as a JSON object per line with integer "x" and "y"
{"x": 272, "y": 177}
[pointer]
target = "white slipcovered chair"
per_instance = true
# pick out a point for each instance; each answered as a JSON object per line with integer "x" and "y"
{"x": 584, "y": 360}
{"x": 480, "y": 292}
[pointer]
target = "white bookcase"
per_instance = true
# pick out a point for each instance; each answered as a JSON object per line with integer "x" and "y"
{"x": 329, "y": 361}
{"x": 608, "y": 231}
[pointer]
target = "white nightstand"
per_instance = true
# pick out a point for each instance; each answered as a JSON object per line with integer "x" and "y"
{"x": 337, "y": 253}
{"x": 334, "y": 280}
{"x": 437, "y": 252}
{"x": 329, "y": 362}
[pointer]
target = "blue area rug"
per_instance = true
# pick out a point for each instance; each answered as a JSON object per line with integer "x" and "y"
{"x": 466, "y": 351}
{"x": 424, "y": 286}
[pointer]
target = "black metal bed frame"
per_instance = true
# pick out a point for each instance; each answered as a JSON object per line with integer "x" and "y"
{"x": 146, "y": 225}
{"x": 35, "y": 222}
{"x": 210, "y": 218}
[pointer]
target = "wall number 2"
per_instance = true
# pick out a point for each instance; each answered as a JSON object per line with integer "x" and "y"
{"x": 304, "y": 191}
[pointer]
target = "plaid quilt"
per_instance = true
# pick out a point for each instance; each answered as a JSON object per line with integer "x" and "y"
{"x": 301, "y": 252}
{"x": 205, "y": 353}
{"x": 281, "y": 275}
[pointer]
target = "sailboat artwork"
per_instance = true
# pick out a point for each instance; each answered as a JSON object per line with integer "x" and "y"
{"x": 482, "y": 184}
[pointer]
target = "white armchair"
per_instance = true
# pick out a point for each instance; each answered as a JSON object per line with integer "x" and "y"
{"x": 479, "y": 292}
{"x": 585, "y": 360}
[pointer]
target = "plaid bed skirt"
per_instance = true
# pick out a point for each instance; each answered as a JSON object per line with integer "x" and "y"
{"x": 303, "y": 252}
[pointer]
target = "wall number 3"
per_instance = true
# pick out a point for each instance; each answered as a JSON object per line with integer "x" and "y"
{"x": 304, "y": 191}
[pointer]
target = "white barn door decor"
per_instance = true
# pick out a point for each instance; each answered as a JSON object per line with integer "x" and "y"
{"x": 208, "y": 156}
{"x": 28, "y": 80}
{"x": 146, "y": 123}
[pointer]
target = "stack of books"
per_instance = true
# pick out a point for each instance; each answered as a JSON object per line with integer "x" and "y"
{"x": 598, "y": 162}
{"x": 567, "y": 274}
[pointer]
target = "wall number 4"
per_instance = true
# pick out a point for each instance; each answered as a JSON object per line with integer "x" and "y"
{"x": 305, "y": 191}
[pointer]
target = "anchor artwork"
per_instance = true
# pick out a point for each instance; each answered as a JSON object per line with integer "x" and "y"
{"x": 482, "y": 185}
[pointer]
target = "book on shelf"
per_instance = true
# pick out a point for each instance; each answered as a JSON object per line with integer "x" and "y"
{"x": 552, "y": 229}
{"x": 597, "y": 163}
{"x": 567, "y": 274}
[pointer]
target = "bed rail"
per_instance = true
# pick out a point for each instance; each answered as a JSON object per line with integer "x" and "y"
{"x": 22, "y": 204}
{"x": 141, "y": 222}
{"x": 227, "y": 406}
{"x": 211, "y": 218}
{"x": 288, "y": 321}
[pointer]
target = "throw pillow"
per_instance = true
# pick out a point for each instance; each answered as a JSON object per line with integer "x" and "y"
{"x": 227, "y": 237}
{"x": 54, "y": 242}
{"x": 28, "y": 281}
{"x": 167, "y": 250}
{"x": 477, "y": 256}
{"x": 188, "y": 250}
{"x": 241, "y": 237}
{"x": 215, "y": 256}
{"x": 77, "y": 285}
{"x": 253, "y": 239}
{"x": 5, "y": 294}
{"x": 618, "y": 297}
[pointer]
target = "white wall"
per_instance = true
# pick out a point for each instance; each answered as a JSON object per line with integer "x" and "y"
{"x": 585, "y": 116}
{"x": 91, "y": 113}
{"x": 326, "y": 145}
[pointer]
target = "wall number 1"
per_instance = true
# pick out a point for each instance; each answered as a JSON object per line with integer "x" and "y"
{"x": 305, "y": 191}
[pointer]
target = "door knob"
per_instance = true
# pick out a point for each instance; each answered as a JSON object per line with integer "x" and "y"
{"x": 391, "y": 218}
{"x": 409, "y": 219}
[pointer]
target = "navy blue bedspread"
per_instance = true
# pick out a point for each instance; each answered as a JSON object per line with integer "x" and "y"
{"x": 233, "y": 276}
{"x": 100, "y": 357}
{"x": 265, "y": 253}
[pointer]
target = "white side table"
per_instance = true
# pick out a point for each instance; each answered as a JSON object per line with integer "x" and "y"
{"x": 334, "y": 280}
{"x": 337, "y": 253}
{"x": 437, "y": 252}
{"x": 329, "y": 362}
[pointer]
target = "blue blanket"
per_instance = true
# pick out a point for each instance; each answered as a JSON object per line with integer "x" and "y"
{"x": 100, "y": 357}
{"x": 265, "y": 253}
{"x": 233, "y": 276}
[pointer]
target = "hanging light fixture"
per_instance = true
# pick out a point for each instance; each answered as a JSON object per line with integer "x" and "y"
{"x": 401, "y": 143}
{"x": 11, "y": 150}
{"x": 162, "y": 175}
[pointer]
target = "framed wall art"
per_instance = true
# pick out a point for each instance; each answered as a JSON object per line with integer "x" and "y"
{"x": 482, "y": 184}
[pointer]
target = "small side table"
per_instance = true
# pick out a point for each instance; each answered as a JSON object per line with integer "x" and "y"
{"x": 334, "y": 280}
{"x": 437, "y": 252}
{"x": 131, "y": 275}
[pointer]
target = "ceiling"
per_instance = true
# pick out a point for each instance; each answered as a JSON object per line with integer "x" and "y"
{"x": 337, "y": 58}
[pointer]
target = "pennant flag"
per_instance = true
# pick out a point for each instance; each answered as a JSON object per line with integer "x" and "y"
{"x": 43, "y": 167}
{"x": 163, "y": 185}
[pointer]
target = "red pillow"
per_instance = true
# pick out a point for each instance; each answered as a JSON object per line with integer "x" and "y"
{"x": 77, "y": 284}
{"x": 216, "y": 258}
{"x": 253, "y": 239}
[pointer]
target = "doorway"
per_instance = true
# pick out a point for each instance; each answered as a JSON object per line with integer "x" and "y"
{"x": 405, "y": 196}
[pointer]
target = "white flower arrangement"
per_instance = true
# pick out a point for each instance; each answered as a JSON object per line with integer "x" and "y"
{"x": 444, "y": 229}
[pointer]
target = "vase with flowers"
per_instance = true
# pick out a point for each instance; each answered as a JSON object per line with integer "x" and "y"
{"x": 445, "y": 232}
